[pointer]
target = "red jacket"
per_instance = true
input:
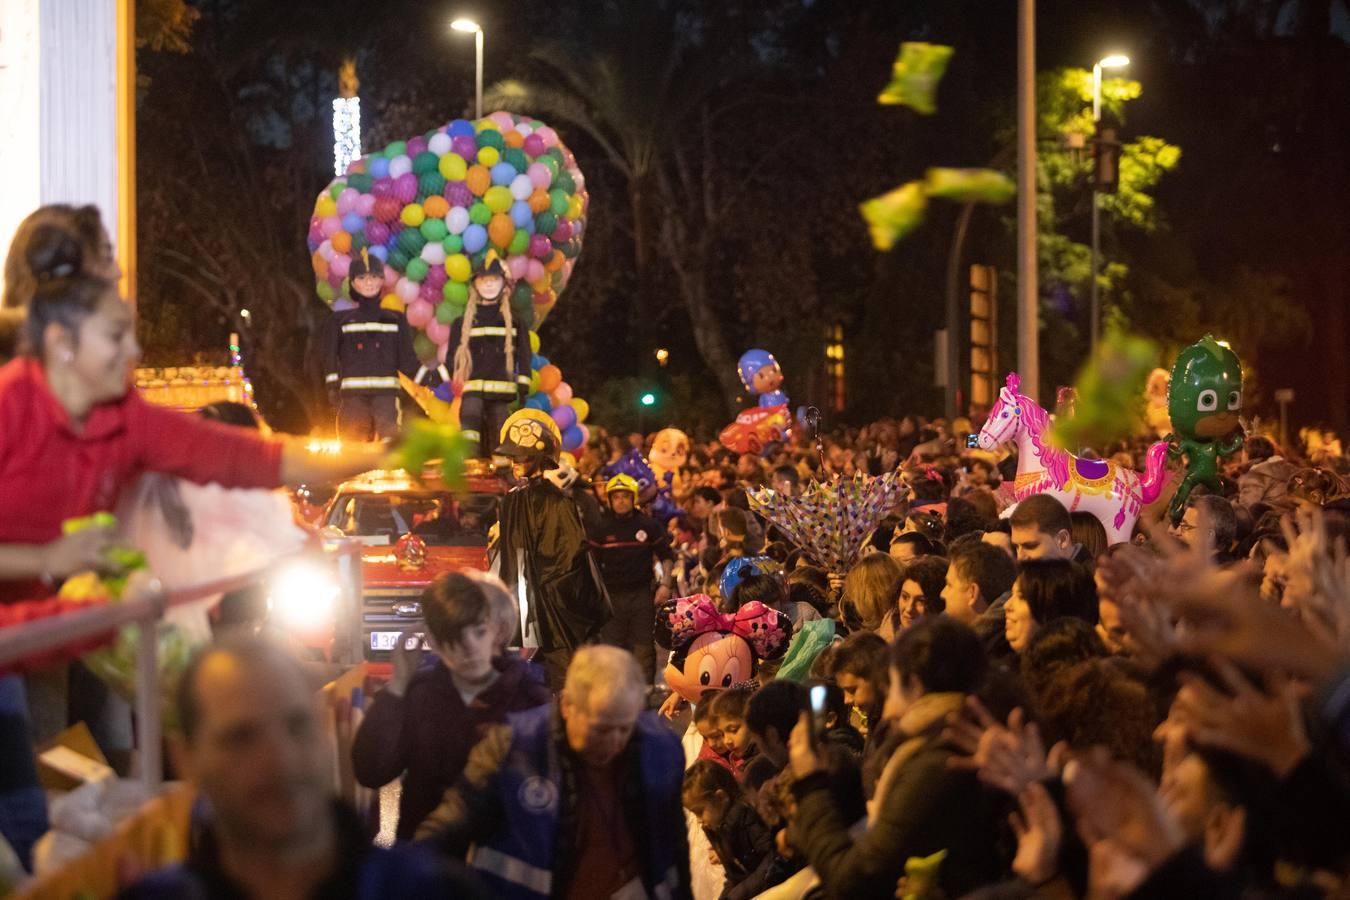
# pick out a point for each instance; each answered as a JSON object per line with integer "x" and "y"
{"x": 50, "y": 473}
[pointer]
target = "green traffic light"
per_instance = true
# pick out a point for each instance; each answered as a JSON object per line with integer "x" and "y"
{"x": 648, "y": 399}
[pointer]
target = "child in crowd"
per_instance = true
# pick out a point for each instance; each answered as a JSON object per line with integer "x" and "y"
{"x": 423, "y": 724}
{"x": 714, "y": 747}
{"x": 728, "y": 714}
{"x": 738, "y": 836}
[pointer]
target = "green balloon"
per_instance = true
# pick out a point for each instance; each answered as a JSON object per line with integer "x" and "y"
{"x": 479, "y": 213}
{"x": 423, "y": 347}
{"x": 453, "y": 243}
{"x": 554, "y": 167}
{"x": 516, "y": 157}
{"x": 398, "y": 260}
{"x": 360, "y": 181}
{"x": 410, "y": 241}
{"x": 524, "y": 317}
{"x": 520, "y": 242}
{"x": 337, "y": 188}
{"x": 416, "y": 270}
{"x": 429, "y": 185}
{"x": 565, "y": 183}
{"x": 425, "y": 162}
{"x": 358, "y": 241}
{"x": 491, "y": 137}
{"x": 434, "y": 230}
{"x": 456, "y": 293}
{"x": 570, "y": 248}
{"x": 521, "y": 294}
{"x": 396, "y": 148}
{"x": 325, "y": 291}
{"x": 557, "y": 201}
{"x": 448, "y": 312}
{"x": 545, "y": 222}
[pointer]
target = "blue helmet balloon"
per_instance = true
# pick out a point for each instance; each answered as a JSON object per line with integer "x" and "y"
{"x": 751, "y": 362}
{"x": 741, "y": 568}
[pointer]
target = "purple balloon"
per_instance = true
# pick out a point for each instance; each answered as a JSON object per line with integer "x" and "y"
{"x": 416, "y": 146}
{"x": 562, "y": 232}
{"x": 534, "y": 145}
{"x": 382, "y": 187}
{"x": 466, "y": 147}
{"x": 436, "y": 277}
{"x": 458, "y": 194}
{"x": 565, "y": 416}
{"x": 405, "y": 187}
{"x": 540, "y": 247}
{"x": 376, "y": 232}
{"x": 428, "y": 293}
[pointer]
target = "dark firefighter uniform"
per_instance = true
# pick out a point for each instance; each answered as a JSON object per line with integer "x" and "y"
{"x": 365, "y": 349}
{"x": 626, "y": 547}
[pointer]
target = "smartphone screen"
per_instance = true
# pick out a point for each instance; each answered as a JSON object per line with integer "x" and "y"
{"x": 819, "y": 698}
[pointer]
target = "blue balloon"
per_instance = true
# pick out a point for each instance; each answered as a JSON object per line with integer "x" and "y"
{"x": 539, "y": 401}
{"x": 503, "y": 173}
{"x": 741, "y": 567}
{"x": 521, "y": 215}
{"x": 752, "y": 361}
{"x": 352, "y": 223}
{"x": 460, "y": 128}
{"x": 572, "y": 439}
{"x": 543, "y": 361}
{"x": 537, "y": 362}
{"x": 529, "y": 226}
{"x": 379, "y": 167}
{"x": 475, "y": 238}
{"x": 381, "y": 251}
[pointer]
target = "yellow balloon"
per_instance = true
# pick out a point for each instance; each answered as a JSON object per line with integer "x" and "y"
{"x": 489, "y": 156}
{"x": 453, "y": 167}
{"x": 582, "y": 408}
{"x": 574, "y": 207}
{"x": 392, "y": 301}
{"x": 325, "y": 207}
{"x": 457, "y": 266}
{"x": 534, "y": 342}
{"x": 413, "y": 215}
{"x": 497, "y": 197}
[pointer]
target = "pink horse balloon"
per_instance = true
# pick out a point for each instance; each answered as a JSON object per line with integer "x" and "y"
{"x": 1115, "y": 495}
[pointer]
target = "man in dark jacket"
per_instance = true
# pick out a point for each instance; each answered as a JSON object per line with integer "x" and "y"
{"x": 579, "y": 801}
{"x": 365, "y": 350}
{"x": 542, "y": 542}
{"x": 627, "y": 544}
{"x": 254, "y": 749}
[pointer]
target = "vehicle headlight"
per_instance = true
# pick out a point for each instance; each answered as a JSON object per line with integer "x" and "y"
{"x": 304, "y": 595}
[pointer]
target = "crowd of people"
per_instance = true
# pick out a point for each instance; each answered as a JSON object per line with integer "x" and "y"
{"x": 993, "y": 701}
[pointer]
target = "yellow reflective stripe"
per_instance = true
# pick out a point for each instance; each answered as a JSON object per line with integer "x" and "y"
{"x": 369, "y": 382}
{"x": 369, "y": 326}
{"x": 470, "y": 434}
{"x": 522, "y": 379}
{"x": 490, "y": 387}
{"x": 489, "y": 331}
{"x": 331, "y": 377}
{"x": 512, "y": 869}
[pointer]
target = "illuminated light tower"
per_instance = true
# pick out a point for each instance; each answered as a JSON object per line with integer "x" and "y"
{"x": 346, "y": 119}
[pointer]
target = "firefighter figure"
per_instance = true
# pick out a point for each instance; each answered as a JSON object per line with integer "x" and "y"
{"x": 366, "y": 349}
{"x": 491, "y": 362}
{"x": 542, "y": 553}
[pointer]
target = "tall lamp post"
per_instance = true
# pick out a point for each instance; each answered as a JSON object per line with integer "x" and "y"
{"x": 469, "y": 26}
{"x": 1028, "y": 312}
{"x": 1114, "y": 61}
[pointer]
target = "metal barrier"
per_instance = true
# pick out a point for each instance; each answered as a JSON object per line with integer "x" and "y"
{"x": 146, "y": 607}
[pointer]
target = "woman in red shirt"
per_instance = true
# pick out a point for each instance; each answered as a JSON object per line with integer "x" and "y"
{"x": 73, "y": 433}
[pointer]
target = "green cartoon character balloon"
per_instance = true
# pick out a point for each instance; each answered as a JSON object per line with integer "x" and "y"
{"x": 1204, "y": 401}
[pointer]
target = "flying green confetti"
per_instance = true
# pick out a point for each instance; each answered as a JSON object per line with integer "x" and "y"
{"x": 894, "y": 214}
{"x": 970, "y": 185}
{"x": 1110, "y": 393}
{"x": 915, "y": 77}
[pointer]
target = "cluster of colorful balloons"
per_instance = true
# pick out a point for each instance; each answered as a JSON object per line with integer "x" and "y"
{"x": 550, "y": 394}
{"x": 432, "y": 206}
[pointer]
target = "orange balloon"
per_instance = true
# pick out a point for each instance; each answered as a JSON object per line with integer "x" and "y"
{"x": 501, "y": 229}
{"x": 435, "y": 206}
{"x": 550, "y": 377}
{"x": 342, "y": 242}
{"x": 479, "y": 179}
{"x": 539, "y": 200}
{"x": 320, "y": 264}
{"x": 514, "y": 139}
{"x": 542, "y": 285}
{"x": 555, "y": 262}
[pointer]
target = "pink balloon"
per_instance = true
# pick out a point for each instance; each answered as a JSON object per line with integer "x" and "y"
{"x": 419, "y": 313}
{"x": 346, "y": 201}
{"x": 548, "y": 135}
{"x": 339, "y": 266}
{"x": 330, "y": 226}
{"x": 562, "y": 232}
{"x": 438, "y": 333}
{"x": 503, "y": 119}
{"x": 428, "y": 292}
{"x": 406, "y": 290}
{"x": 405, "y": 187}
{"x": 541, "y": 298}
{"x": 534, "y": 270}
{"x": 540, "y": 248}
{"x": 382, "y": 187}
{"x": 441, "y": 352}
{"x": 517, "y": 266}
{"x": 562, "y": 394}
{"x": 390, "y": 278}
{"x": 436, "y": 277}
{"x": 538, "y": 173}
{"x": 365, "y": 205}
{"x": 585, "y": 434}
{"x": 326, "y": 250}
{"x": 534, "y": 145}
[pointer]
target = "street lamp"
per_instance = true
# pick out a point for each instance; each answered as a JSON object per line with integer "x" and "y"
{"x": 1114, "y": 61}
{"x": 469, "y": 26}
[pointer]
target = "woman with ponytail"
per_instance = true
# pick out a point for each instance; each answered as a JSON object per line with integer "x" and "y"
{"x": 491, "y": 356}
